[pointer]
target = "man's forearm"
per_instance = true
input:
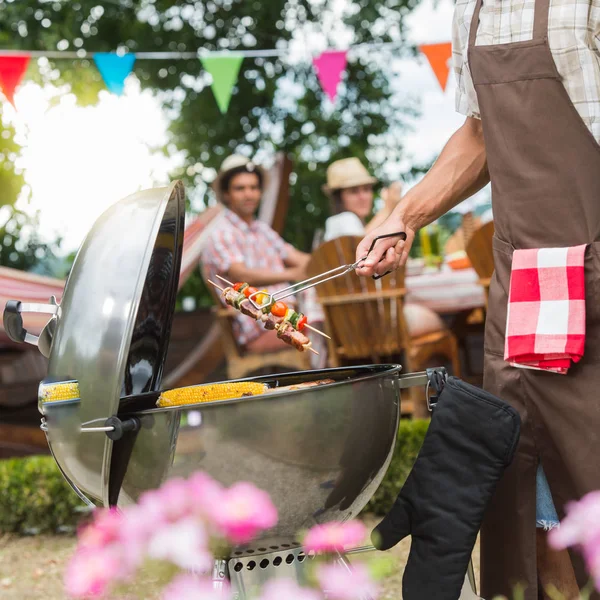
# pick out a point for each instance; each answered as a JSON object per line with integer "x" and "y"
{"x": 459, "y": 172}
{"x": 258, "y": 277}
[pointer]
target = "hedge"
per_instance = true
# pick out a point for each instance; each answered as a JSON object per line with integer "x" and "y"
{"x": 411, "y": 434}
{"x": 34, "y": 497}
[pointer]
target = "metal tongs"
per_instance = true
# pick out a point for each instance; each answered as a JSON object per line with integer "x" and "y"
{"x": 300, "y": 286}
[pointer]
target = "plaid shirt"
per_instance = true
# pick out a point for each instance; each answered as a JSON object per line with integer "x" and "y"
{"x": 256, "y": 246}
{"x": 573, "y": 36}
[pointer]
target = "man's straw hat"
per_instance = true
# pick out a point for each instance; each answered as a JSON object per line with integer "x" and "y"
{"x": 347, "y": 173}
{"x": 235, "y": 161}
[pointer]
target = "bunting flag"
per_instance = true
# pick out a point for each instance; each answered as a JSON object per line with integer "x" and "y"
{"x": 12, "y": 69}
{"x": 329, "y": 67}
{"x": 114, "y": 69}
{"x": 224, "y": 71}
{"x": 439, "y": 56}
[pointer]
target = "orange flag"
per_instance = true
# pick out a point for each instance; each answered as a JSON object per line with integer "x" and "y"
{"x": 439, "y": 56}
{"x": 12, "y": 69}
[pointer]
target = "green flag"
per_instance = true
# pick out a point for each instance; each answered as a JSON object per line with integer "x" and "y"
{"x": 224, "y": 71}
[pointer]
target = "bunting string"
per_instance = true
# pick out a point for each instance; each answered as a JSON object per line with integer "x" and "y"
{"x": 272, "y": 52}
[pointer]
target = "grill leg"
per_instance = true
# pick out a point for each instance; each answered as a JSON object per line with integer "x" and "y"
{"x": 220, "y": 576}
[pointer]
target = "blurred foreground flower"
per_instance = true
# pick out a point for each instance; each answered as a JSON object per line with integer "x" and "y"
{"x": 334, "y": 537}
{"x": 243, "y": 512}
{"x": 178, "y": 523}
{"x": 190, "y": 587}
{"x": 184, "y": 524}
{"x": 342, "y": 583}
{"x": 581, "y": 528}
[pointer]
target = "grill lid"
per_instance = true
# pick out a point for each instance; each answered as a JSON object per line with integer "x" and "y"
{"x": 113, "y": 325}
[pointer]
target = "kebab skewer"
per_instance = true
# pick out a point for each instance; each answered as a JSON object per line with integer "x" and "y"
{"x": 278, "y": 309}
{"x": 285, "y": 330}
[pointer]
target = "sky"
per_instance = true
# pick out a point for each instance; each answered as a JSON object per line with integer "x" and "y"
{"x": 78, "y": 161}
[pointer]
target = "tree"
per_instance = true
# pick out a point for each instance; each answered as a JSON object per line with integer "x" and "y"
{"x": 277, "y": 103}
{"x": 20, "y": 247}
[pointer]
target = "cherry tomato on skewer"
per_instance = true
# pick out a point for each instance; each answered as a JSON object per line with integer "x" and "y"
{"x": 302, "y": 321}
{"x": 279, "y": 309}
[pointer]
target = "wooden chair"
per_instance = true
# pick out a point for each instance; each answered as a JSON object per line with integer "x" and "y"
{"x": 239, "y": 363}
{"x": 479, "y": 251}
{"x": 366, "y": 319}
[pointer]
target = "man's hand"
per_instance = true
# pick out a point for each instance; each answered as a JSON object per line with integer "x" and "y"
{"x": 388, "y": 254}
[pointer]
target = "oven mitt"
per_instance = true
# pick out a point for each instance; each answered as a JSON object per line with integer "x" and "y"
{"x": 471, "y": 440}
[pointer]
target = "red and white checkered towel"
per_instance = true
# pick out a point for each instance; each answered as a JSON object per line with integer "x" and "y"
{"x": 545, "y": 324}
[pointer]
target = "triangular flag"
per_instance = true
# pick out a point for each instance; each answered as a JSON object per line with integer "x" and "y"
{"x": 114, "y": 69}
{"x": 439, "y": 56}
{"x": 12, "y": 69}
{"x": 224, "y": 71}
{"x": 330, "y": 66}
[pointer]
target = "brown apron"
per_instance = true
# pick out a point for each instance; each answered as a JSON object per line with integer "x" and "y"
{"x": 544, "y": 165}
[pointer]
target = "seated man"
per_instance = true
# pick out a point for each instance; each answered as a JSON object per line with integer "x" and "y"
{"x": 243, "y": 248}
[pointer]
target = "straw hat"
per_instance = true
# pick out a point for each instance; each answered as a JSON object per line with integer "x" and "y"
{"x": 235, "y": 161}
{"x": 347, "y": 173}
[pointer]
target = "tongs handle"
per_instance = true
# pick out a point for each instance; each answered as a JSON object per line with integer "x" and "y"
{"x": 400, "y": 234}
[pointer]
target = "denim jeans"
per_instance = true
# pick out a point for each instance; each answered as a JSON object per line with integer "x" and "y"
{"x": 546, "y": 517}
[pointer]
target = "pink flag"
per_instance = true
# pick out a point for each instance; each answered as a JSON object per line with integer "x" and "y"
{"x": 12, "y": 69}
{"x": 330, "y": 66}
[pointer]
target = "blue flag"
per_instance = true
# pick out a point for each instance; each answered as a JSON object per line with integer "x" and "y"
{"x": 114, "y": 69}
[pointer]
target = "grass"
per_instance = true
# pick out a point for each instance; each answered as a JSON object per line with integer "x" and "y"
{"x": 31, "y": 568}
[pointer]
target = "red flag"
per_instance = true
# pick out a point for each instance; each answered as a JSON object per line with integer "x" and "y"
{"x": 330, "y": 66}
{"x": 12, "y": 69}
{"x": 439, "y": 58}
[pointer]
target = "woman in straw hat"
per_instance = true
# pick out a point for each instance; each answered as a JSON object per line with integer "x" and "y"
{"x": 350, "y": 189}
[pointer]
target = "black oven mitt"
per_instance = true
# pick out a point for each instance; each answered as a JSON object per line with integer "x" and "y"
{"x": 471, "y": 440}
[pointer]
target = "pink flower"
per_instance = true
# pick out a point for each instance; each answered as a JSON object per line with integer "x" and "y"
{"x": 171, "y": 502}
{"x": 103, "y": 530}
{"x": 334, "y": 537}
{"x": 184, "y": 543}
{"x": 340, "y": 583}
{"x": 243, "y": 511}
{"x": 190, "y": 587}
{"x": 581, "y": 523}
{"x": 91, "y": 571}
{"x": 286, "y": 589}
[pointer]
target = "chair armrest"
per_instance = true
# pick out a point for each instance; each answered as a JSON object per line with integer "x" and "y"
{"x": 362, "y": 297}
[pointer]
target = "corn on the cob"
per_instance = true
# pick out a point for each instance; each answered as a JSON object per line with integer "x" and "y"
{"x": 54, "y": 392}
{"x": 209, "y": 393}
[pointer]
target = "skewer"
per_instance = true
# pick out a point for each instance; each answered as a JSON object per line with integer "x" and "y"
{"x": 307, "y": 326}
{"x": 217, "y": 286}
{"x": 225, "y": 280}
{"x": 313, "y": 350}
{"x": 317, "y": 331}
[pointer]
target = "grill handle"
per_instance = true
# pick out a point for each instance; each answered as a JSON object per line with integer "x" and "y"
{"x": 13, "y": 323}
{"x": 114, "y": 427}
